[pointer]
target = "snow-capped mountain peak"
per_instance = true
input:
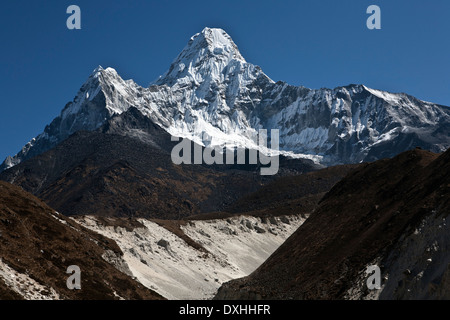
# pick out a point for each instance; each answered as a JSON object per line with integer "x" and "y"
{"x": 210, "y": 88}
{"x": 207, "y": 53}
{"x": 219, "y": 42}
{"x": 103, "y": 84}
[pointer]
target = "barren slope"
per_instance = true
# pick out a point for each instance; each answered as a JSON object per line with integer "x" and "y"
{"x": 37, "y": 245}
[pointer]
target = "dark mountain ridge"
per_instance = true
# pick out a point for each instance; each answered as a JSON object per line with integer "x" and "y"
{"x": 364, "y": 219}
{"x": 125, "y": 169}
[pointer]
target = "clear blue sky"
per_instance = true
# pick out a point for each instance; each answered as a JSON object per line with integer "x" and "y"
{"x": 315, "y": 43}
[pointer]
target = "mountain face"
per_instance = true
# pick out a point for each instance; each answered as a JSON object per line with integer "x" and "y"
{"x": 106, "y": 174}
{"x": 210, "y": 88}
{"x": 390, "y": 213}
{"x": 124, "y": 168}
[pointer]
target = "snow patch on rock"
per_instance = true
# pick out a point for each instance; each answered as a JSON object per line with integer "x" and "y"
{"x": 24, "y": 285}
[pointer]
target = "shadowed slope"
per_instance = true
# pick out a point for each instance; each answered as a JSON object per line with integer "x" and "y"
{"x": 358, "y": 221}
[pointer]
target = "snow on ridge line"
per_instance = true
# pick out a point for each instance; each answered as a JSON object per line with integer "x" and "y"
{"x": 165, "y": 263}
{"x": 393, "y": 98}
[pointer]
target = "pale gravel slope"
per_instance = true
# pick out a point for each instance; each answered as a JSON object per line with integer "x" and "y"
{"x": 178, "y": 271}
